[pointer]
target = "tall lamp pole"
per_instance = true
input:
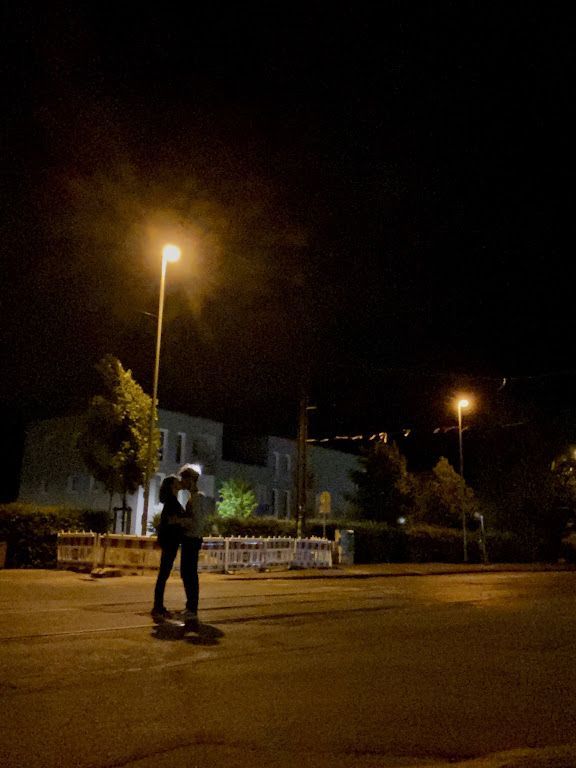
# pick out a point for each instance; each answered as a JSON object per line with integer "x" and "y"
{"x": 462, "y": 404}
{"x": 301, "y": 470}
{"x": 170, "y": 253}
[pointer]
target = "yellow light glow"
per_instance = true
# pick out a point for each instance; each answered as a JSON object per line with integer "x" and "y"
{"x": 463, "y": 403}
{"x": 171, "y": 253}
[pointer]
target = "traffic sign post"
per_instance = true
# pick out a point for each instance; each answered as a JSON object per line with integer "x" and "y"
{"x": 324, "y": 509}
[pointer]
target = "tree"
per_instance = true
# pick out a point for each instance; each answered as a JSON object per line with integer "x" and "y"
{"x": 114, "y": 436}
{"x": 384, "y": 487}
{"x": 524, "y": 468}
{"x": 443, "y": 495}
{"x": 237, "y": 499}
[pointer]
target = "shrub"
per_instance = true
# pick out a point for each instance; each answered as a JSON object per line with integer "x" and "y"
{"x": 254, "y": 526}
{"x": 31, "y": 531}
{"x": 237, "y": 499}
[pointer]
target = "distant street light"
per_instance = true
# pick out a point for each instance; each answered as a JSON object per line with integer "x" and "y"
{"x": 463, "y": 403}
{"x": 170, "y": 253}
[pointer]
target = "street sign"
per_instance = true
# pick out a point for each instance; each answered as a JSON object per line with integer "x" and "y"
{"x": 325, "y": 505}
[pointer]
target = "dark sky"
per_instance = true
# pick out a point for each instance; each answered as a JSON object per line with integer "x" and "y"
{"x": 375, "y": 198}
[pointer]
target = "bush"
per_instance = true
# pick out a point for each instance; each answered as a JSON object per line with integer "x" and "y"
{"x": 376, "y": 542}
{"x": 254, "y": 526}
{"x": 513, "y": 547}
{"x": 31, "y": 531}
{"x": 382, "y": 543}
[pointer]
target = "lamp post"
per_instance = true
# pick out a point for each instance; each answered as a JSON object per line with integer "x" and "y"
{"x": 170, "y": 253}
{"x": 462, "y": 404}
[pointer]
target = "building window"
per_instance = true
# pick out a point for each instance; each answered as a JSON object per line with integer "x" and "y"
{"x": 281, "y": 503}
{"x": 74, "y": 483}
{"x": 287, "y": 463}
{"x": 97, "y": 486}
{"x": 158, "y": 478}
{"x": 276, "y": 463}
{"x": 43, "y": 486}
{"x": 286, "y": 505}
{"x": 162, "y": 449}
{"x": 180, "y": 447}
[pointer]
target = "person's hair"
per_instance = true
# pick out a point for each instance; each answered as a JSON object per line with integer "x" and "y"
{"x": 167, "y": 488}
{"x": 188, "y": 471}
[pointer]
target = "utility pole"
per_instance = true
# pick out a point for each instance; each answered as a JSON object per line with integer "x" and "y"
{"x": 301, "y": 468}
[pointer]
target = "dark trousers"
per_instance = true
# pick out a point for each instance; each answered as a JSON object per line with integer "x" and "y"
{"x": 169, "y": 552}
{"x": 189, "y": 571}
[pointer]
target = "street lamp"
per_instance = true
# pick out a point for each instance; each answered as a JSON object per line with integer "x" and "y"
{"x": 170, "y": 253}
{"x": 463, "y": 403}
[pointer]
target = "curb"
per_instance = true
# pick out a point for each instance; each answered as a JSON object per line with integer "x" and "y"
{"x": 336, "y": 573}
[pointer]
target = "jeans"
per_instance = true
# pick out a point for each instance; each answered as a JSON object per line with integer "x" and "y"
{"x": 169, "y": 552}
{"x": 189, "y": 571}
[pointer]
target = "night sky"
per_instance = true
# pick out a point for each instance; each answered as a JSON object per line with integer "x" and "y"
{"x": 375, "y": 199}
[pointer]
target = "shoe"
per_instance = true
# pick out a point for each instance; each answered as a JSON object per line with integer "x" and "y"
{"x": 158, "y": 614}
{"x": 187, "y": 615}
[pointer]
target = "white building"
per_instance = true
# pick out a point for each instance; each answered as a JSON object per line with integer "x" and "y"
{"x": 53, "y": 471}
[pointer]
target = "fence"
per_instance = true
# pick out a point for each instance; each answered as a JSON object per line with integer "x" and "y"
{"x": 90, "y": 551}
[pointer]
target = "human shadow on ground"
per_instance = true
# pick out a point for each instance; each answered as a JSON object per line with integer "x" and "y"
{"x": 197, "y": 634}
{"x": 205, "y": 634}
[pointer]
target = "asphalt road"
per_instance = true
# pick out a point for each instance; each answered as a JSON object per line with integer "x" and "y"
{"x": 478, "y": 669}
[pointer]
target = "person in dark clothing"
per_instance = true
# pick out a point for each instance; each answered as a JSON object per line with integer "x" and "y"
{"x": 169, "y": 539}
{"x": 194, "y": 524}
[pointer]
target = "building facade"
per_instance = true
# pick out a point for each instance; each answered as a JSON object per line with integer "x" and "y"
{"x": 53, "y": 471}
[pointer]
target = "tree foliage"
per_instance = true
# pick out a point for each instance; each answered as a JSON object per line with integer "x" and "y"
{"x": 387, "y": 491}
{"x": 114, "y": 437}
{"x": 384, "y": 486}
{"x": 443, "y": 496}
{"x": 237, "y": 499}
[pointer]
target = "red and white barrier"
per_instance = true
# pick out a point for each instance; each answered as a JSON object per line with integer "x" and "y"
{"x": 313, "y": 553}
{"x": 78, "y": 550}
{"x": 89, "y": 551}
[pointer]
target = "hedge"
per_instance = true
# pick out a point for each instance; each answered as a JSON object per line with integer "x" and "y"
{"x": 383, "y": 543}
{"x": 31, "y": 531}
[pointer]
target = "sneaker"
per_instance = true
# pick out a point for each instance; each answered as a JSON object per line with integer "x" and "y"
{"x": 160, "y": 613}
{"x": 187, "y": 615}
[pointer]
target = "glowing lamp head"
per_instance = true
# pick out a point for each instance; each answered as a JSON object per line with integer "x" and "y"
{"x": 171, "y": 253}
{"x": 463, "y": 403}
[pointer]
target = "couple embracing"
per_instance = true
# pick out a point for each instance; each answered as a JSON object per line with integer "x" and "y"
{"x": 184, "y": 528}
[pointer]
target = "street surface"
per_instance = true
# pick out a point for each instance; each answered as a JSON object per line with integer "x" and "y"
{"x": 471, "y": 669}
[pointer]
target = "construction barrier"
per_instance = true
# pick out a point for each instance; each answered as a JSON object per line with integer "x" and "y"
{"x": 313, "y": 553}
{"x": 280, "y": 552}
{"x": 78, "y": 550}
{"x": 212, "y": 557}
{"x": 245, "y": 553}
{"x": 129, "y": 552}
{"x": 90, "y": 551}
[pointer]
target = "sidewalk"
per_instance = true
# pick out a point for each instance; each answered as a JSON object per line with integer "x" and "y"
{"x": 380, "y": 570}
